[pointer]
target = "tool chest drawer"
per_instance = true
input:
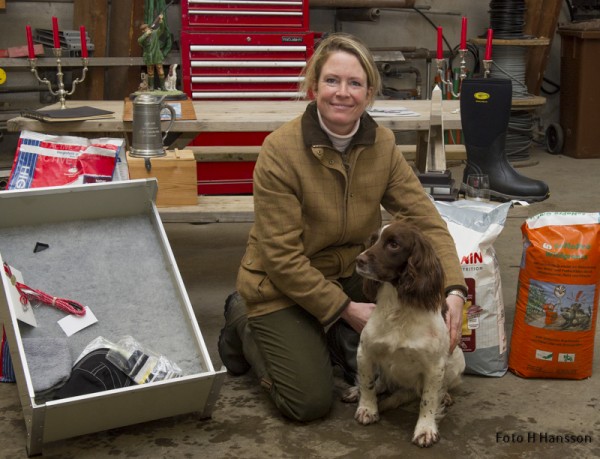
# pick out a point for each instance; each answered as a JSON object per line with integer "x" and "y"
{"x": 244, "y": 66}
{"x": 245, "y": 15}
{"x": 105, "y": 247}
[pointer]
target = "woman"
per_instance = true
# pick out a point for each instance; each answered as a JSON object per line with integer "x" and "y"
{"x": 319, "y": 182}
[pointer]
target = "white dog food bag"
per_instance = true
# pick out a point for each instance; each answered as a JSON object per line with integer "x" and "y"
{"x": 474, "y": 227}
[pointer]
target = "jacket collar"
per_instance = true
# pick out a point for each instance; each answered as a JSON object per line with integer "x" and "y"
{"x": 314, "y": 135}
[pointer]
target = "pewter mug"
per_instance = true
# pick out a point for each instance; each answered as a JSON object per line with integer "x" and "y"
{"x": 147, "y": 130}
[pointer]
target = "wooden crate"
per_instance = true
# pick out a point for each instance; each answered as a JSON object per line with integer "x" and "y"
{"x": 176, "y": 175}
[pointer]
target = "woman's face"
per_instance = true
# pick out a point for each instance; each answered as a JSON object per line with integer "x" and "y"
{"x": 341, "y": 92}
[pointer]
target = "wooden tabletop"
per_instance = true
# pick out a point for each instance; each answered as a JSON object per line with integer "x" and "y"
{"x": 236, "y": 116}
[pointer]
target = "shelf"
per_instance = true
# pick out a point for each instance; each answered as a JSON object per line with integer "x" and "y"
{"x": 76, "y": 61}
{"x": 512, "y": 42}
{"x": 528, "y": 103}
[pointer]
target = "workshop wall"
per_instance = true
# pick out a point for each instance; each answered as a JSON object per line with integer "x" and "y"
{"x": 402, "y": 28}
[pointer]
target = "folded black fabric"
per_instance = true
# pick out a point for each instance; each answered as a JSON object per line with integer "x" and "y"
{"x": 94, "y": 373}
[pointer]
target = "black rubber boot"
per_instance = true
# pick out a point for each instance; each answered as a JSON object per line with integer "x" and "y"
{"x": 230, "y": 344}
{"x": 342, "y": 342}
{"x": 485, "y": 111}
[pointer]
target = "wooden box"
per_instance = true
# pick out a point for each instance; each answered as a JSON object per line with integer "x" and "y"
{"x": 108, "y": 250}
{"x": 176, "y": 175}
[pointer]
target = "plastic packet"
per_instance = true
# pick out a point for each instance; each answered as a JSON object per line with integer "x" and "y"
{"x": 141, "y": 364}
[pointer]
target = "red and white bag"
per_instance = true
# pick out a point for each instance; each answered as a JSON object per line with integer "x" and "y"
{"x": 475, "y": 226}
{"x": 43, "y": 160}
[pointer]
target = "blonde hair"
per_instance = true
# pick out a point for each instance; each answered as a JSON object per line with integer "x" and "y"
{"x": 341, "y": 42}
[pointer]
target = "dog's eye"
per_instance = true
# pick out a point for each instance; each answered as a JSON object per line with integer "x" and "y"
{"x": 393, "y": 244}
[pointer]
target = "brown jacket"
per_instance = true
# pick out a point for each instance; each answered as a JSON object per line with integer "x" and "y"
{"x": 315, "y": 208}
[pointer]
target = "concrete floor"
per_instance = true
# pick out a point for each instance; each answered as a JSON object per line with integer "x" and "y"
{"x": 492, "y": 417}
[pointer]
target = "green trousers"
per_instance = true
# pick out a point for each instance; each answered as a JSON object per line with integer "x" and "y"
{"x": 292, "y": 355}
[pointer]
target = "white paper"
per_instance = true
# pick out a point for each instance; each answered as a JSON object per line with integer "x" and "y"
{"x": 72, "y": 323}
{"x": 391, "y": 111}
{"x": 23, "y": 312}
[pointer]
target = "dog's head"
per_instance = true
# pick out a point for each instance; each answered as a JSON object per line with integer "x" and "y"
{"x": 401, "y": 255}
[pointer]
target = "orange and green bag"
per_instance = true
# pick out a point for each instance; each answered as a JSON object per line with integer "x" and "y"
{"x": 557, "y": 296}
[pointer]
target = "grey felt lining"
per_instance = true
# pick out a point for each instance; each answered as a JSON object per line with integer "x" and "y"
{"x": 116, "y": 267}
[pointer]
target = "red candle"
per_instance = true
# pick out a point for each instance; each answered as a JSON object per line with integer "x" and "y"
{"x": 30, "y": 50}
{"x": 84, "y": 52}
{"x": 488, "y": 45}
{"x": 55, "y": 32}
{"x": 463, "y": 34}
{"x": 440, "y": 46}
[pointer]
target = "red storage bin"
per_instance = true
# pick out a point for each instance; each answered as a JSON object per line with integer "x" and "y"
{"x": 230, "y": 177}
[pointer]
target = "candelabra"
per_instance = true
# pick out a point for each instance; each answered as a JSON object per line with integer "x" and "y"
{"x": 487, "y": 67}
{"x": 61, "y": 92}
{"x": 463, "y": 72}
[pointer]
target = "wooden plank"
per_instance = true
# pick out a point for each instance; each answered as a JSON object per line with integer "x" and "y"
{"x": 205, "y": 154}
{"x": 187, "y": 109}
{"x": 212, "y": 209}
{"x": 541, "y": 19}
{"x": 217, "y": 209}
{"x": 513, "y": 42}
{"x": 93, "y": 14}
{"x": 126, "y": 16}
{"x": 173, "y": 58}
{"x": 2, "y": 4}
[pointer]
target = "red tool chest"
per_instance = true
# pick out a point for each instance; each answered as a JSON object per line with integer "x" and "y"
{"x": 241, "y": 50}
{"x": 244, "y": 65}
{"x": 246, "y": 15}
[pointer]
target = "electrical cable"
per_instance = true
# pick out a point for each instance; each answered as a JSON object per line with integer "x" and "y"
{"x": 507, "y": 19}
{"x": 27, "y": 293}
{"x": 552, "y": 83}
{"x": 434, "y": 26}
{"x": 510, "y": 60}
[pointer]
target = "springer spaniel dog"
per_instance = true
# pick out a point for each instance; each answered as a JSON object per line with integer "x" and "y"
{"x": 404, "y": 347}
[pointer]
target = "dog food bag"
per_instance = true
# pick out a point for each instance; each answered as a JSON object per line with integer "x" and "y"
{"x": 557, "y": 296}
{"x": 475, "y": 226}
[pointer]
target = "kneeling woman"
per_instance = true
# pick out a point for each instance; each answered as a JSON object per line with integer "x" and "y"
{"x": 319, "y": 183}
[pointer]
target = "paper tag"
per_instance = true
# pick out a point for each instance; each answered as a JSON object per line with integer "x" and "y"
{"x": 72, "y": 323}
{"x": 23, "y": 312}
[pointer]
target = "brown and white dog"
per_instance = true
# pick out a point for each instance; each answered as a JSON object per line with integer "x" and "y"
{"x": 404, "y": 347}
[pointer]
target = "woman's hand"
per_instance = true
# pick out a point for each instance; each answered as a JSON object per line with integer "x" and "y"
{"x": 357, "y": 314}
{"x": 454, "y": 319}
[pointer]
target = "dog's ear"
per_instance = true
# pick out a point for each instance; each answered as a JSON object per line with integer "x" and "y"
{"x": 372, "y": 239}
{"x": 423, "y": 277}
{"x": 370, "y": 289}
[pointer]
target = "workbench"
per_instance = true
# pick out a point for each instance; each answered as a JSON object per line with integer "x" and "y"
{"x": 233, "y": 116}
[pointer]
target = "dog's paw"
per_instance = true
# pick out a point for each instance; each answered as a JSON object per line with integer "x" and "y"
{"x": 351, "y": 395}
{"x": 425, "y": 437}
{"x": 447, "y": 400}
{"x": 366, "y": 416}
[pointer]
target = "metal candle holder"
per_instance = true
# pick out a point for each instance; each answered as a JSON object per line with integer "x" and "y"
{"x": 463, "y": 72}
{"x": 487, "y": 67}
{"x": 61, "y": 92}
